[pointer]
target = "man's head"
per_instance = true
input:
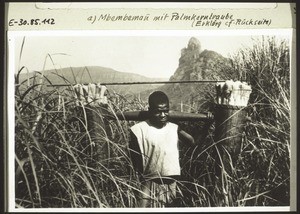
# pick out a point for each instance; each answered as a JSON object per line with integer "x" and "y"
{"x": 158, "y": 108}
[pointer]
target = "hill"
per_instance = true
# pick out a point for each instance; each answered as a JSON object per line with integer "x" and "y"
{"x": 197, "y": 64}
{"x": 96, "y": 74}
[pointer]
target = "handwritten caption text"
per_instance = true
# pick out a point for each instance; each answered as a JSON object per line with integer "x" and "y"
{"x": 195, "y": 20}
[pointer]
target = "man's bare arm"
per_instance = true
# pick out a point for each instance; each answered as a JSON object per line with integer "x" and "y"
{"x": 135, "y": 153}
{"x": 185, "y": 137}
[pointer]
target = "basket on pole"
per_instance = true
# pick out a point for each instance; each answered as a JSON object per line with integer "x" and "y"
{"x": 91, "y": 105}
{"x": 230, "y": 120}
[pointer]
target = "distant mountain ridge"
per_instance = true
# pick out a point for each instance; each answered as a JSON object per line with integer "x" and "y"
{"x": 97, "y": 74}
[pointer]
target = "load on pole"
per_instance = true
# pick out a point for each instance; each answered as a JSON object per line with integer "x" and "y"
{"x": 230, "y": 120}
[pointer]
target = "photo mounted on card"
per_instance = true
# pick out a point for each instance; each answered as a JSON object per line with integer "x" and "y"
{"x": 176, "y": 106}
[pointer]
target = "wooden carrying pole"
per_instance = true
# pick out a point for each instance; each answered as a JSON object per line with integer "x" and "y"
{"x": 140, "y": 83}
{"x": 173, "y": 116}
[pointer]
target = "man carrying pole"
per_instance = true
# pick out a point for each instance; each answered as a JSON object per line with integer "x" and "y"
{"x": 155, "y": 155}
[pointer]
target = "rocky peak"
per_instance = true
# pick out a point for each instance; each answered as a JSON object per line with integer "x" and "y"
{"x": 196, "y": 64}
{"x": 192, "y": 51}
{"x": 194, "y": 44}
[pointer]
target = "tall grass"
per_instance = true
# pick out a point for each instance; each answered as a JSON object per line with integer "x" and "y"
{"x": 60, "y": 162}
{"x": 69, "y": 155}
{"x": 266, "y": 152}
{"x": 261, "y": 175}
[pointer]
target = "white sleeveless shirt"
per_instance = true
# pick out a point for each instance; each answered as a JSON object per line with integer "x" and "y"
{"x": 159, "y": 148}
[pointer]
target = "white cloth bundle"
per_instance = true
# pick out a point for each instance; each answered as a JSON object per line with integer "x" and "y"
{"x": 233, "y": 93}
{"x": 92, "y": 94}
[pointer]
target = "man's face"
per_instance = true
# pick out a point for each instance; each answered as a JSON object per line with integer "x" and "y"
{"x": 159, "y": 114}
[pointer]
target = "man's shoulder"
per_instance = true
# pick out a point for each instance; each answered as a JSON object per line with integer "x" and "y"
{"x": 139, "y": 125}
{"x": 172, "y": 124}
{"x": 146, "y": 124}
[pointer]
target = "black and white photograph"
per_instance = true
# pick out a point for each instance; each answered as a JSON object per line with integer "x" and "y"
{"x": 151, "y": 119}
{"x": 150, "y": 107}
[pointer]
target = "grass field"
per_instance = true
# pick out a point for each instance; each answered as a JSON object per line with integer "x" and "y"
{"x": 63, "y": 158}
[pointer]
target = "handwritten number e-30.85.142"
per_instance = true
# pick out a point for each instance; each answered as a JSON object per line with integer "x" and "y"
{"x": 20, "y": 22}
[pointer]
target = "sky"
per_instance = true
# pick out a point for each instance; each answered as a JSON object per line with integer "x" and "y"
{"x": 152, "y": 55}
